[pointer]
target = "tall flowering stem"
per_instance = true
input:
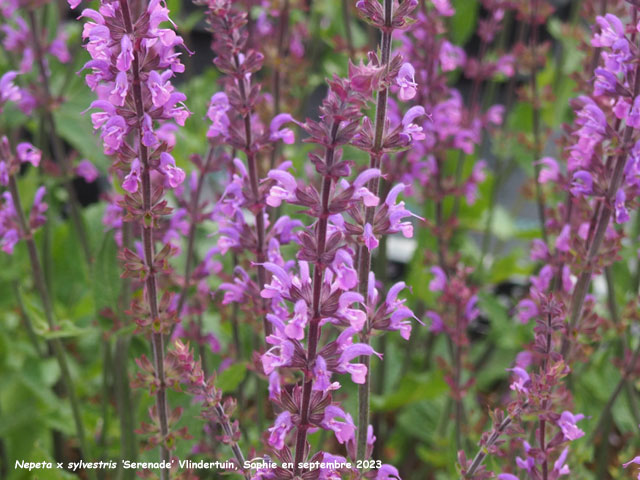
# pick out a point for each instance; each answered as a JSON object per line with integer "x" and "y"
{"x": 157, "y": 338}
{"x": 239, "y": 131}
{"x": 604, "y": 211}
{"x": 376, "y": 151}
{"x": 318, "y": 276}
{"x": 322, "y": 299}
{"x": 133, "y": 59}
{"x": 535, "y": 99}
{"x": 57, "y": 148}
{"x": 602, "y": 172}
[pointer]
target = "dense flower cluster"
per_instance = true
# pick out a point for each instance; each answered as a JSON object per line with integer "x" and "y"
{"x": 600, "y": 179}
{"x": 133, "y": 60}
{"x": 291, "y": 300}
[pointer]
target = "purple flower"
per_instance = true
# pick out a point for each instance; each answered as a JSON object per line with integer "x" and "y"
{"x": 322, "y": 376}
{"x": 444, "y": 7}
{"x": 356, "y": 370}
{"x": 38, "y": 209}
{"x": 407, "y": 82}
{"x": 633, "y": 119}
{"x": 113, "y": 134}
{"x": 130, "y": 183}
{"x": 605, "y": 82}
{"x": 285, "y": 134}
{"x": 4, "y": 173}
{"x": 87, "y": 171}
{"x": 539, "y": 250}
{"x": 361, "y": 191}
{"x": 388, "y": 472}
{"x": 283, "y": 190}
{"x": 621, "y": 212}
{"x": 120, "y": 89}
{"x": 439, "y": 281}
{"x": 217, "y": 113}
{"x": 451, "y": 56}
{"x": 495, "y": 114}
{"x": 567, "y": 424}
{"x": 437, "y": 325}
{"x": 125, "y": 57}
{"x": 528, "y": 464}
{"x": 559, "y": 466}
{"x": 562, "y": 242}
{"x": 542, "y": 281}
{"x": 471, "y": 310}
{"x": 635, "y": 461}
{"x": 9, "y": 240}
{"x": 550, "y": 170}
{"x": 295, "y": 327}
{"x": 27, "y": 153}
{"x": 521, "y": 384}
{"x": 149, "y": 138}
{"x": 370, "y": 240}
{"x": 507, "y": 476}
{"x": 160, "y": 87}
{"x": 344, "y": 430}
{"x": 174, "y": 176}
{"x": 612, "y": 31}
{"x": 281, "y": 427}
{"x": 411, "y": 130}
{"x": 397, "y": 212}
{"x": 582, "y": 183}
{"x": 527, "y": 309}
{"x": 8, "y": 91}
{"x": 274, "y": 385}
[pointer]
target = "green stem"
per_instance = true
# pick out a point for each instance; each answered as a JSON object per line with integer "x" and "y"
{"x": 57, "y": 149}
{"x": 55, "y": 343}
{"x": 364, "y": 255}
{"x": 157, "y": 338}
{"x": 537, "y": 142}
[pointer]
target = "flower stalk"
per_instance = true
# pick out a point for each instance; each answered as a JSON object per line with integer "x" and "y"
{"x": 364, "y": 254}
{"x": 157, "y": 338}
{"x": 56, "y": 144}
{"x": 55, "y": 343}
{"x": 314, "y": 325}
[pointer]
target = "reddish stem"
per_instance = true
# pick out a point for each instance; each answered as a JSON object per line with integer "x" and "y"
{"x": 157, "y": 338}
{"x": 314, "y": 326}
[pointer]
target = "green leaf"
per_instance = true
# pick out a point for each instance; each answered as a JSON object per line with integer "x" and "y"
{"x": 231, "y": 377}
{"x": 65, "y": 329}
{"x": 77, "y": 129}
{"x": 463, "y": 23}
{"x": 107, "y": 283}
{"x": 412, "y": 388}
